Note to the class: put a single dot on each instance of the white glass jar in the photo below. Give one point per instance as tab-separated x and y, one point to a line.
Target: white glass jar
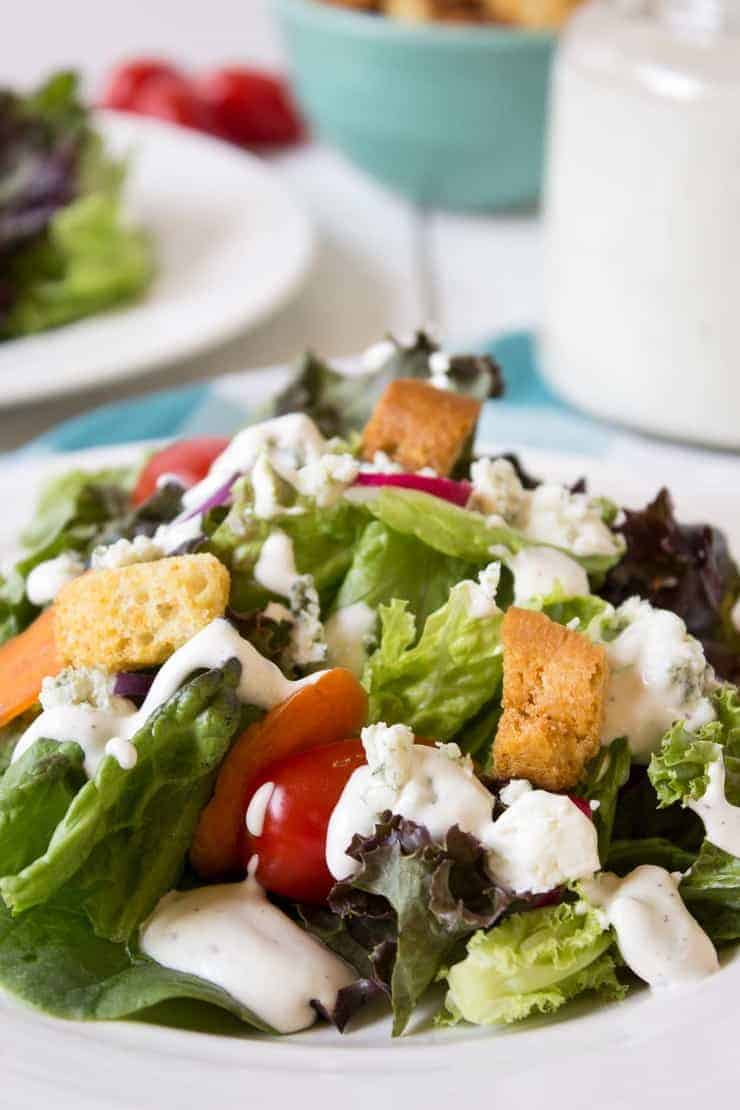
642	217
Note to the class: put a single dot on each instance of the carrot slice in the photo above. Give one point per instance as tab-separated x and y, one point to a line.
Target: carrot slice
25	661
329	709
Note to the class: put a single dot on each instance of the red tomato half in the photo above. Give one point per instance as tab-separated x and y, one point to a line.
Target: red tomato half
127	81
292	845
188	459
249	107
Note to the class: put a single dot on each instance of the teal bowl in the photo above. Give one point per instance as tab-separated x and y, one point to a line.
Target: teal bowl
450	116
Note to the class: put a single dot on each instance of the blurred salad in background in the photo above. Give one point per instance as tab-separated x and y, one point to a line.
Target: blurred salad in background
66	248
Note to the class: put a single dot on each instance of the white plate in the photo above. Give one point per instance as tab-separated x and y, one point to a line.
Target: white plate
662	1049
231	246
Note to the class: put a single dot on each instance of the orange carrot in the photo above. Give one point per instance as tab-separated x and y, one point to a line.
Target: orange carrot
332	708
25	661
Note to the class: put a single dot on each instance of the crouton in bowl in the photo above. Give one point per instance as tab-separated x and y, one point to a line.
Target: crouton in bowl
451	114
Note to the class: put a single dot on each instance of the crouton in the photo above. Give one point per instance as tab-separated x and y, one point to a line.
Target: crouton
530	13
445	11
554	687
137	616
419	425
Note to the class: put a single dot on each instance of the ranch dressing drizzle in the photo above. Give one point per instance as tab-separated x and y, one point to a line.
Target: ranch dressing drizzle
346	632
262	684
232	936
657	936
721	819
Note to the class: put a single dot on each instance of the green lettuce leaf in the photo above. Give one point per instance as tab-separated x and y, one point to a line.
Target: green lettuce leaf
89	259
387	565
533	962
123	841
711	890
679	771
602	780
70	513
35	794
51	959
461	533
625	855
445	678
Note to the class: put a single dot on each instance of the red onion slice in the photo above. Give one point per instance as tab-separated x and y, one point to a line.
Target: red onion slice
446	489
132	684
220	496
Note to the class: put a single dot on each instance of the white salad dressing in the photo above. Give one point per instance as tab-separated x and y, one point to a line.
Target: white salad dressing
347	632
657	936
46	580
735	615
721	819
257	808
262	684
657	675
293	439
275	568
376	356
123	751
232	936
539	571
540	842
180	531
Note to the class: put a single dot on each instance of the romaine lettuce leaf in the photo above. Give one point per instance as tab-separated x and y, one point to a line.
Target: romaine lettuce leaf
425	897
533	962
603	778
35	794
679	770
461	533
625	855
123	840
50	958
436	684
387	565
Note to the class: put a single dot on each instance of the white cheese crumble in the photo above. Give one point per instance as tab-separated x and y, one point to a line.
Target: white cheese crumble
657	675
513	791
376	356
540	571
481	595
326	478
540	842
275	570
46	580
124	553
83	686
548	514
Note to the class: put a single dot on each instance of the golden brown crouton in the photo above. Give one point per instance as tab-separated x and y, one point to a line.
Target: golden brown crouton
445	11
554	684
136	616
530	13
419	425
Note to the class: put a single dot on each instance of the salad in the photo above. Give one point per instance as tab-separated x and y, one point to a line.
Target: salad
66	250
340	711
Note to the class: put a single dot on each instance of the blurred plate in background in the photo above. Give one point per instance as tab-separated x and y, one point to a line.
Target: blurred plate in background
231	246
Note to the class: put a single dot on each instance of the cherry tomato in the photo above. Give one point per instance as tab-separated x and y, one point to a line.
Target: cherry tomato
173	98
127	81
188	459
292	845
251	108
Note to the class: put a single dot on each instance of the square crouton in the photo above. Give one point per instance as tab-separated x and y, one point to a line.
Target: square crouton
445	11
137	616
530	13
554	688
419	425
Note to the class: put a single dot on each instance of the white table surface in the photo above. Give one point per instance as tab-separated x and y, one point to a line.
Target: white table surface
368	275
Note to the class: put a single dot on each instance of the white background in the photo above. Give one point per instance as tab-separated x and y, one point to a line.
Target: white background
366	278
